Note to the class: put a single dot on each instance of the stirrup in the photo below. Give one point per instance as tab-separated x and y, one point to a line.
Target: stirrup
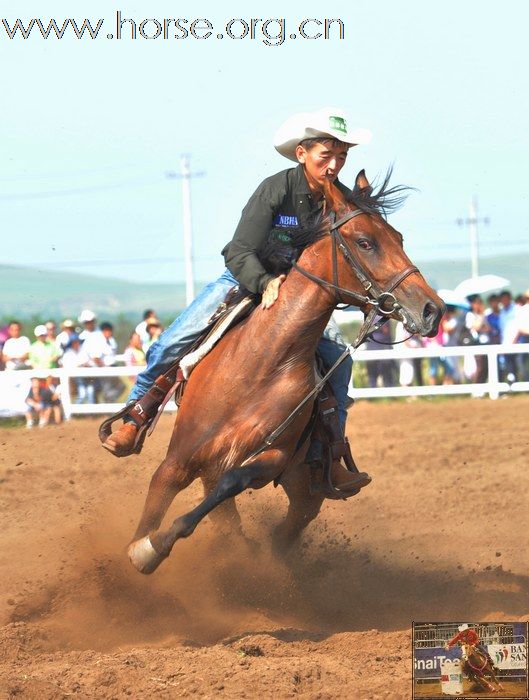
326	487
105	431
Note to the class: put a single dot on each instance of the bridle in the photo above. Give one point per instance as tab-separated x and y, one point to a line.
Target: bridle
382	303
374	297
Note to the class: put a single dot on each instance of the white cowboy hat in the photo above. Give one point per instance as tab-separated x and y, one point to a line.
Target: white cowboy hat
40	330
329	121
463	627
86	316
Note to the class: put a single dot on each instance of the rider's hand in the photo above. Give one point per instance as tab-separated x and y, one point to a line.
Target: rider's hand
271	292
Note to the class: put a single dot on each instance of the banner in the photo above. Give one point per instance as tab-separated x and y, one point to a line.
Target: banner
508	656
427	662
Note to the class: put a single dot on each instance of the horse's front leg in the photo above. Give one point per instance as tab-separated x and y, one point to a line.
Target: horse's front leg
166	482
303	507
260	472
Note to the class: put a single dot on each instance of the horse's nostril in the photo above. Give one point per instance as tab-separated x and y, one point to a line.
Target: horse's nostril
430	311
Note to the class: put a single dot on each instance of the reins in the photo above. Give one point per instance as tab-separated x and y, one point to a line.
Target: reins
374	297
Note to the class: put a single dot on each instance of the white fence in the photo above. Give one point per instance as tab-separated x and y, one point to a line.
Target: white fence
14	386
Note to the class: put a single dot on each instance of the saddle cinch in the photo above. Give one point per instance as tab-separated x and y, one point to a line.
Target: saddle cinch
324	424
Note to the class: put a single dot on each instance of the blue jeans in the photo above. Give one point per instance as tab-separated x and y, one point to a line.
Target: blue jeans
192	322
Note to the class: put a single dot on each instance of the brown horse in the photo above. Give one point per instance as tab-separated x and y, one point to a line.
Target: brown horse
261	370
477	667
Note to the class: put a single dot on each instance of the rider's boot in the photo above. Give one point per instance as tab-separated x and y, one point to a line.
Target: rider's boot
333	477
121	443
140	416
345	480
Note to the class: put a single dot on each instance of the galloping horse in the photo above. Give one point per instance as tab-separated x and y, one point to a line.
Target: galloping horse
258	374
477	666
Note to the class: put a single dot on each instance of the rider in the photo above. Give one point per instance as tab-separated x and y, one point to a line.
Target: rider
281	206
470	638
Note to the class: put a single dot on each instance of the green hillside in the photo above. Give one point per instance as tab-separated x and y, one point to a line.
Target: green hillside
448	273
29	292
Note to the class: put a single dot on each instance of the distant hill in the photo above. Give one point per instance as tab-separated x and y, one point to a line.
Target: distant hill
30	292
448	273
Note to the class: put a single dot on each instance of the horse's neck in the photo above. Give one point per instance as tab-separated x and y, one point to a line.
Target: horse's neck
303	308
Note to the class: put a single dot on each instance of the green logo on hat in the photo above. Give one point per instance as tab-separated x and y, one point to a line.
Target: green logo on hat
338	123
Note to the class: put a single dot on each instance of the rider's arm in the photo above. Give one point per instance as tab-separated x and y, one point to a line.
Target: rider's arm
252	233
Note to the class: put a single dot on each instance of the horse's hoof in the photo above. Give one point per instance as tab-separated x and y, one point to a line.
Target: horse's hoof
143	556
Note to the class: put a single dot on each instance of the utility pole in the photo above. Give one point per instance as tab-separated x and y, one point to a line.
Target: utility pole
185	175
472	223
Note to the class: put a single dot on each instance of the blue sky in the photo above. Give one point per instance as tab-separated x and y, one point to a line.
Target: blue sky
89	129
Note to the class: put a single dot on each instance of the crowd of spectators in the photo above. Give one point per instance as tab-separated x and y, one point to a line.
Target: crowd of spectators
85	343
502	320
89	343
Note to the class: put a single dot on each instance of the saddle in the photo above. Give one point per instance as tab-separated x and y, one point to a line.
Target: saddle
146	411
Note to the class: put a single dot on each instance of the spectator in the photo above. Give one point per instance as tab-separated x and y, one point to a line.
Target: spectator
493	319
134	354
452	324
509	332
522	336
409	368
88	320
141	328
64	337
55	404
43	353
40	403
434	362
154	331
15	352
380	369
101	348
73	358
51	329
479	329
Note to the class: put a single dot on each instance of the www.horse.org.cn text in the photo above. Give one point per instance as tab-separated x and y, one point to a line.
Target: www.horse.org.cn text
270	32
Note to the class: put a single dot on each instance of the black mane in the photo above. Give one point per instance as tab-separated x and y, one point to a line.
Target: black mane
277	256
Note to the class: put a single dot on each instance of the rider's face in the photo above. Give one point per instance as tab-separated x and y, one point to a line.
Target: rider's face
322	160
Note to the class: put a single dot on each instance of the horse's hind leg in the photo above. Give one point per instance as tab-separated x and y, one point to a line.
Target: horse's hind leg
230	484
302	508
166	482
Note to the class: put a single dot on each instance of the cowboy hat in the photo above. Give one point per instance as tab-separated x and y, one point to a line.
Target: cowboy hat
463	627
328	122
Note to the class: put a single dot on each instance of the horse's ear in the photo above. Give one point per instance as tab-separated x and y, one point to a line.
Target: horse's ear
362	187
333	196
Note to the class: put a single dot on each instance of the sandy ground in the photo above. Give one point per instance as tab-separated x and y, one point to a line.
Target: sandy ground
440	534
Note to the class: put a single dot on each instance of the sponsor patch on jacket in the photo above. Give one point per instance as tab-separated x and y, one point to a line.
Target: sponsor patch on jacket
285	221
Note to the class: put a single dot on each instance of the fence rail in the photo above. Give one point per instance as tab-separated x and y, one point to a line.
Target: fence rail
14	386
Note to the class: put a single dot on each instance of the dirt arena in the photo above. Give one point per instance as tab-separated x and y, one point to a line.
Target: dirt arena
440	534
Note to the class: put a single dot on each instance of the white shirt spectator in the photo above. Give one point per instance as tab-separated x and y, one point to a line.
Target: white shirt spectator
508	324
15	348
97	347
72	359
522	319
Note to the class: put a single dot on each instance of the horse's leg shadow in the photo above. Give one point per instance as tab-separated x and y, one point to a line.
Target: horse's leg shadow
168	480
158	545
302	509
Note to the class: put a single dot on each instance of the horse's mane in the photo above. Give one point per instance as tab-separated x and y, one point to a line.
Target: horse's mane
278	256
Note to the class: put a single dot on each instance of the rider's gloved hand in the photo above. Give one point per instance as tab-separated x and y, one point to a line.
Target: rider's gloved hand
271	292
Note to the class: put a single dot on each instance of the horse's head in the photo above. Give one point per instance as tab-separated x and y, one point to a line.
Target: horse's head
370	251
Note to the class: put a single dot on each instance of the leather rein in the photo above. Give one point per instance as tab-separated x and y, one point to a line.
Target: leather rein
381	302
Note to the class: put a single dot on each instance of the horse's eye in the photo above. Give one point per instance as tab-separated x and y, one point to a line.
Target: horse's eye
364	244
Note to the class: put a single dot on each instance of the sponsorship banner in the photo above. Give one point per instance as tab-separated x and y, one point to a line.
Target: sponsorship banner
508	656
427	662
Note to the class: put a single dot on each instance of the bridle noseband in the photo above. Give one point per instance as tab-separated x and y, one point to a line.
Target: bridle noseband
382	302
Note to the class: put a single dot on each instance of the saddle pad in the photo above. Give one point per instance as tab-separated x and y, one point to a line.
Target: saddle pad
191	360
